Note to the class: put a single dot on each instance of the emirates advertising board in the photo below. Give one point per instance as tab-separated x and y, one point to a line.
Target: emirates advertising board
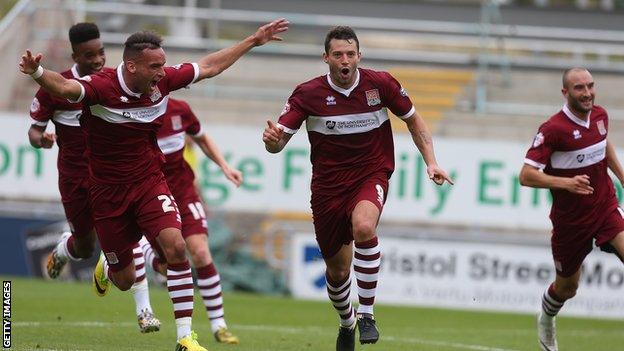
468	275
486	193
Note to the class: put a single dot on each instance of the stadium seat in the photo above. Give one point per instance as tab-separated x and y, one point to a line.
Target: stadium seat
433	91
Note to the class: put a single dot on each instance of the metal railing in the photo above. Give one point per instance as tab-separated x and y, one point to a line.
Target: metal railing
419	41
13	14
530	43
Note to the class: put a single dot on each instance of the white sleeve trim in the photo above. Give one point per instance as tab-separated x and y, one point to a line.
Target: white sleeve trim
530	162
411	111
82	94
198	134
196	68
38	123
288	130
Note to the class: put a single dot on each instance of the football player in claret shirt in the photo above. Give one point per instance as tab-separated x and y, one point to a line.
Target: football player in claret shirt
570	156
88	55
352	155
178	122
128	191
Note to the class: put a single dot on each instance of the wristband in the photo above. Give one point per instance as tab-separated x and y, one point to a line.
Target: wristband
38	73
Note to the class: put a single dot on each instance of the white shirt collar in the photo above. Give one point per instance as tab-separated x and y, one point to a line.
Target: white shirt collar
74	71
575	119
123	83
342	91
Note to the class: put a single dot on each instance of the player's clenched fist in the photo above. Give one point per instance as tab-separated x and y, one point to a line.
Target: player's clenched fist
47	140
272	133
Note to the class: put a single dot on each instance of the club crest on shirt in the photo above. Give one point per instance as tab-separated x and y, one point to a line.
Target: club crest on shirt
156	95
538	140
577	134
330	100
580	157
34	106
372	97
176	122
601	128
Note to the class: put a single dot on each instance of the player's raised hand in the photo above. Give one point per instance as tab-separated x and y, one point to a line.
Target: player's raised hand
272	133
29	63
47	140
233	175
580	184
438	175
269	31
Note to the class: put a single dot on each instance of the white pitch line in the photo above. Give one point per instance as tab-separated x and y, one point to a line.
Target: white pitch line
455	345
306	330
87	324
289	330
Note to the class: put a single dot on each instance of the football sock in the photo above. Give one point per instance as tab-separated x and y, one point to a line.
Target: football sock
366	263
180	287
339	294
65	248
551	303
140	289
209	285
151	256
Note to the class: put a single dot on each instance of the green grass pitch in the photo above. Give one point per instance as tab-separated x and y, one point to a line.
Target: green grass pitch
68	316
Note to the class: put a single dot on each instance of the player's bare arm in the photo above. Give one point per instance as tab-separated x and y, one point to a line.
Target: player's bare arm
211	150
422	138
49	80
39	138
613	163
215	63
534	178
274	137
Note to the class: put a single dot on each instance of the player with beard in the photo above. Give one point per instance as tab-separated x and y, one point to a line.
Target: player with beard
352	155
88	55
128	191
570	156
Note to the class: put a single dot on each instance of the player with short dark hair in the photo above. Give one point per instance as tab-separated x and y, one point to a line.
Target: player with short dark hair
88	55
570	156
352	155
341	33
128	190
139	41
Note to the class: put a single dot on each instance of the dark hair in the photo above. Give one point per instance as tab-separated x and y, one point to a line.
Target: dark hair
140	41
566	73
343	33
83	32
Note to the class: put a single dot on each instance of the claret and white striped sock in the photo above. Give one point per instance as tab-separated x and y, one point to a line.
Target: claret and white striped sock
180	286
366	262
140	288
551	303
209	285
340	295
151	257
